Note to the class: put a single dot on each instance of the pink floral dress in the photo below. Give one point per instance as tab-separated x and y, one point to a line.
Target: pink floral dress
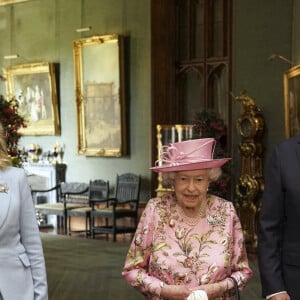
168	248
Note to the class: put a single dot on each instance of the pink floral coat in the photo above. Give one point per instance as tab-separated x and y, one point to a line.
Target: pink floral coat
166	249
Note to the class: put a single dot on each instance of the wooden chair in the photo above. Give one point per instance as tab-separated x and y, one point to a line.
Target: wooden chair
123	205
98	189
40	200
59	208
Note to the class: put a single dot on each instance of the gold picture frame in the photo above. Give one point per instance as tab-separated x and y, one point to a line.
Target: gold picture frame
291	86
100	95
33	85
6	2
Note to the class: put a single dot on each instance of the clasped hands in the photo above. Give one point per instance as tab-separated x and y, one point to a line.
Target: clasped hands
181	292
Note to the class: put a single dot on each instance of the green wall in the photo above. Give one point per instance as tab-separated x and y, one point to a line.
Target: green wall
43	30
261	28
296	34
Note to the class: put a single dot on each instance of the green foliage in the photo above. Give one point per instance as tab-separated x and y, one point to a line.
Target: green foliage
11	122
208	123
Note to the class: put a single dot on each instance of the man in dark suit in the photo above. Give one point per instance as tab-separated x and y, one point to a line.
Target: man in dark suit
279	224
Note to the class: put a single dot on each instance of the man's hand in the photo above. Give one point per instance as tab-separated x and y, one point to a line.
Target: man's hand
281	296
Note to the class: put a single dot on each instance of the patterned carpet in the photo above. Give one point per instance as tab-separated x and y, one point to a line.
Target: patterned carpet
84	269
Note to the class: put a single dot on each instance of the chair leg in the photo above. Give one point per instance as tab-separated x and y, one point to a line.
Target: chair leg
92	227
106	224
69	221
90	224
114	229
65	223
86	226
58	222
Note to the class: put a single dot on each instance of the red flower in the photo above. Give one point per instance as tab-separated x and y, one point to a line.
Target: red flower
11	122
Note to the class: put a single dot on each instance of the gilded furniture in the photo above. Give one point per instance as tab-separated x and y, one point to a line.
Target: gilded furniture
250	184
166	134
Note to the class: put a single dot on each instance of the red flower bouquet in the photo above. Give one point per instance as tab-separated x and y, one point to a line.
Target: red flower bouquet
11	122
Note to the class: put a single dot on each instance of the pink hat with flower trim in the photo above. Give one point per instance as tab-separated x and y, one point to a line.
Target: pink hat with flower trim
188	155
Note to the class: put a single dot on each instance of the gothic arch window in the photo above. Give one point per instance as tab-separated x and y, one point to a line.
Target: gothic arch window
190	62
203	60
218	90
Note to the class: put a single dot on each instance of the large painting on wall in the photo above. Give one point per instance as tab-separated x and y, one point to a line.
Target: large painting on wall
34	87
100	97
291	83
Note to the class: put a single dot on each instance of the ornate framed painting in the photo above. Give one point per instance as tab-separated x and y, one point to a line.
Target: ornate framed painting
291	85
34	87
6	2
100	95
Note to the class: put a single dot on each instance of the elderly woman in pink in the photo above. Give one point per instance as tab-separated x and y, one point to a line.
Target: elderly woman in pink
188	244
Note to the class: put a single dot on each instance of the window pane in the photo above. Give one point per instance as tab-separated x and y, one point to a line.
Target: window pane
216	38
183	30
199	30
218	91
191	95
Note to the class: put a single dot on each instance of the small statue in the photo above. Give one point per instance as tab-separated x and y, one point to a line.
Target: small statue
245	99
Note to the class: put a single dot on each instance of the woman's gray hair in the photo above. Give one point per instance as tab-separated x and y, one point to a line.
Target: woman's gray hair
213	175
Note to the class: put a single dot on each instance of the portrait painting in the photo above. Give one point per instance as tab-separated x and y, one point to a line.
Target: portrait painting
34	88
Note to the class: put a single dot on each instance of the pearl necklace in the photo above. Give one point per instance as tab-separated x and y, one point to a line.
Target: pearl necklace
192	221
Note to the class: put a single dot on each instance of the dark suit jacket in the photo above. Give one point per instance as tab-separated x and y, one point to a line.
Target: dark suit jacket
279	223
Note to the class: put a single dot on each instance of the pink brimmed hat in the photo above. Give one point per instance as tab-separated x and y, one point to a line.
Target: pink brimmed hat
188	155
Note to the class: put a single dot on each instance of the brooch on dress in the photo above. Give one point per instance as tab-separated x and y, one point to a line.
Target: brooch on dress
3	188
215	220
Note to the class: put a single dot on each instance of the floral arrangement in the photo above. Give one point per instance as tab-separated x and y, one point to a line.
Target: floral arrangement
209	123
11	122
